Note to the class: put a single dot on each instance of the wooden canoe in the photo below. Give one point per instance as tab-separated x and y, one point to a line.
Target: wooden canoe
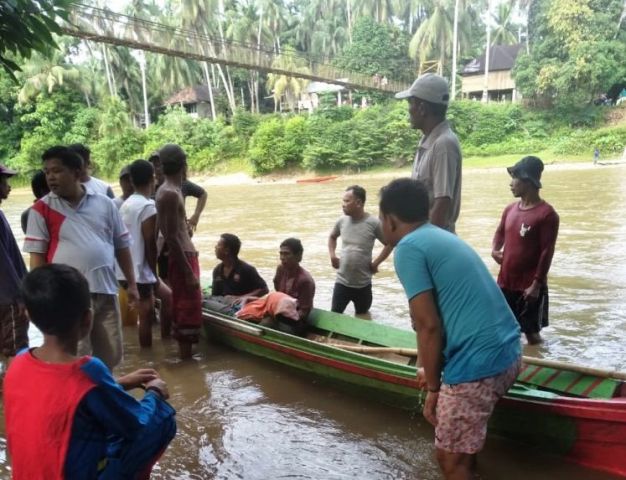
316	179
579	416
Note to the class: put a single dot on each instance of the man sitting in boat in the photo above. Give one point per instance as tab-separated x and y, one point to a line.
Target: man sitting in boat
468	338
292	279
66	417
233	279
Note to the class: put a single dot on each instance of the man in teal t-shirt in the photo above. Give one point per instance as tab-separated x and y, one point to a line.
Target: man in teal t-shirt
468	338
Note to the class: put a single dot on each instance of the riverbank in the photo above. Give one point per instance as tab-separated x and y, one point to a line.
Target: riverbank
246	177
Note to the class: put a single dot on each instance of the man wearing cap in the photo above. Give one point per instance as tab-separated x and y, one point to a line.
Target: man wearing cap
438	158
13	320
523	246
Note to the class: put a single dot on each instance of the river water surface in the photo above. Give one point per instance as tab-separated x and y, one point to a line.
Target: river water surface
240	417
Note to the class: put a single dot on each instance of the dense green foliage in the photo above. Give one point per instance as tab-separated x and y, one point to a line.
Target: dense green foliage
577	51
94	94
337	138
26	26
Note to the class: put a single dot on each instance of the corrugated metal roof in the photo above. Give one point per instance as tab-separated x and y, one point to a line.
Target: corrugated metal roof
501	57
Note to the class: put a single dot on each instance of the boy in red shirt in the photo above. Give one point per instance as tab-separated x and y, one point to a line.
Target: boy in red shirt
523	246
66	417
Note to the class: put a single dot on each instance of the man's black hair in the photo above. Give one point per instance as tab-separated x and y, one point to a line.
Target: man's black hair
358	192
173	158
68	157
39	185
294	245
83	151
231	242
141	172
405	198
56	297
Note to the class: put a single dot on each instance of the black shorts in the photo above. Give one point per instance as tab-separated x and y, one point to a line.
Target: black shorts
145	289
531	316
361	297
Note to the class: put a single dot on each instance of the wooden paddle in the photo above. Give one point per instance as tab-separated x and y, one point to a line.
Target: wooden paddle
409	352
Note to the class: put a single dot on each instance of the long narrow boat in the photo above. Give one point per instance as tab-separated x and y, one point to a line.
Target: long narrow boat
577	415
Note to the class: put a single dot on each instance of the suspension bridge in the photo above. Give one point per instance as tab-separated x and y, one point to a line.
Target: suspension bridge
104	26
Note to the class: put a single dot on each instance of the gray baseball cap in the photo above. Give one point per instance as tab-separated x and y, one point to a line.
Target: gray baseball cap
430	87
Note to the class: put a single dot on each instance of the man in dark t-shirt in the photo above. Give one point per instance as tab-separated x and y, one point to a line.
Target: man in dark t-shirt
234	277
523	246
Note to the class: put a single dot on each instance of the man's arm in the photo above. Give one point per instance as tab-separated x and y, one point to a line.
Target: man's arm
305	299
200	204
427	325
125	261
382	256
149	234
37	260
547	241
498	240
332	245
440	212
167	208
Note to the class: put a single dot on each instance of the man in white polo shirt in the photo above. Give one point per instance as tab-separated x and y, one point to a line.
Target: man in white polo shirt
77	227
90	182
438	158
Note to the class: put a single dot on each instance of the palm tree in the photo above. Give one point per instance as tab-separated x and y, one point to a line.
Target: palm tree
504	32
114	119
287	86
381	10
433	38
409	12
42	73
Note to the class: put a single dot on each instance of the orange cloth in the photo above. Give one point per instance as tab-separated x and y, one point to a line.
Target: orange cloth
272	304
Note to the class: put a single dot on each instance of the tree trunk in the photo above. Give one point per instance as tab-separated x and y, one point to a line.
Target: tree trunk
207	79
108	71
349	12
455	42
485	97
146	113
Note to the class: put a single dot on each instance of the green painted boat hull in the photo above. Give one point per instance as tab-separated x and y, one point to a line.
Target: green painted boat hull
589	431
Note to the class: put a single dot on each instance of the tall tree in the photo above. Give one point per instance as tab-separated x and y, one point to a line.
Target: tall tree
26	26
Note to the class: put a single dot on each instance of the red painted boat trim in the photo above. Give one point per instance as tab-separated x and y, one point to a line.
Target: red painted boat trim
347	367
551	377
573	384
593	385
533	373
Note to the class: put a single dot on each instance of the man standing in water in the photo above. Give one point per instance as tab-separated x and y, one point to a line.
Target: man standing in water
92	183
78	227
438	158
358	230
528	230
183	268
13	319
467	337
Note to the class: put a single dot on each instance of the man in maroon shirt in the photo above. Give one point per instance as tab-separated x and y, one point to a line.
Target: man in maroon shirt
294	280
523	246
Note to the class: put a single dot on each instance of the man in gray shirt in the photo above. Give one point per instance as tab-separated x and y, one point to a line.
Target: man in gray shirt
438	158
358	230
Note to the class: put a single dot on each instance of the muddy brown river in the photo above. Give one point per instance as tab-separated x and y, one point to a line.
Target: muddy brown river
240	417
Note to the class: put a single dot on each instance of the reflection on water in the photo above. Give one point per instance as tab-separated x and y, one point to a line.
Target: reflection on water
244	418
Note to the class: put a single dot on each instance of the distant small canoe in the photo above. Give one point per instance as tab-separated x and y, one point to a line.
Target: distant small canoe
316	179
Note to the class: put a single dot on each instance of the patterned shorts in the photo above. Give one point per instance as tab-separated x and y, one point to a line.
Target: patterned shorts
463	411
